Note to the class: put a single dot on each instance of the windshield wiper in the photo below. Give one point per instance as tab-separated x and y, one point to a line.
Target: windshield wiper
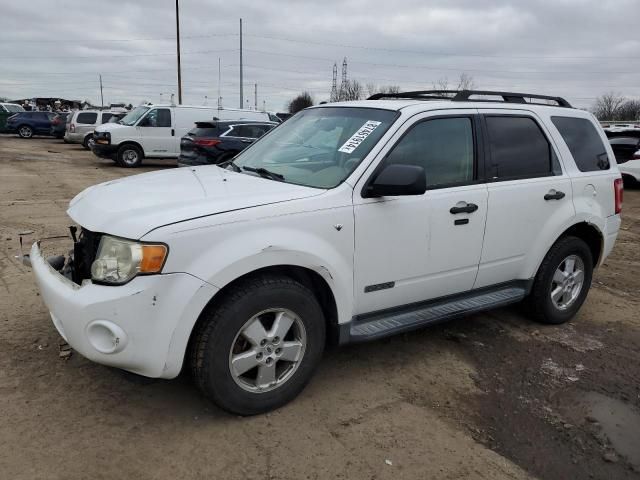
230	162
263	172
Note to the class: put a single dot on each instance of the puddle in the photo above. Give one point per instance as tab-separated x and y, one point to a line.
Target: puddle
619	422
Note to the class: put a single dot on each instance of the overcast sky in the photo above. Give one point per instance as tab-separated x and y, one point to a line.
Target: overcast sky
574	48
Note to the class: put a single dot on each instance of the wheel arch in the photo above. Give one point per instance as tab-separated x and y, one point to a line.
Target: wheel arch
591	235
304	275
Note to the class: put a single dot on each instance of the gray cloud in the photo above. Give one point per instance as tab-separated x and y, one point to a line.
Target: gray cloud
575	48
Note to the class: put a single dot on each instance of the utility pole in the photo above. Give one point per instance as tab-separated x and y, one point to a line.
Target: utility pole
219	82
178	50
255	93
101	96
241	92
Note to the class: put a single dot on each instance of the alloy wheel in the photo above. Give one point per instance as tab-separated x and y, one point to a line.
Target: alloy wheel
267	350
567	282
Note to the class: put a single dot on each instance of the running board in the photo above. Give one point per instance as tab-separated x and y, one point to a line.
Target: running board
389	322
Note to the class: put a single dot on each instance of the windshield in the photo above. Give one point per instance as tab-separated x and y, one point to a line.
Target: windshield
319	147
13	108
133	116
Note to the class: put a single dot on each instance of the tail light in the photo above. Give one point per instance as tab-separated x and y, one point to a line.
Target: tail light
618	189
55	121
72	128
207	142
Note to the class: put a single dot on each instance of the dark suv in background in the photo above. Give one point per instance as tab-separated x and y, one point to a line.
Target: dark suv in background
215	142
28	124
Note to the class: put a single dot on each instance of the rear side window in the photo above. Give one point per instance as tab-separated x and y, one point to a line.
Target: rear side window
203	129
247	131
519	149
584	143
443	147
88	118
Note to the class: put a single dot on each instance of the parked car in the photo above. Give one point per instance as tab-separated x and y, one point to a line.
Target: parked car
627	152
216	142
28	124
59	124
82	123
6	110
154	131
347	223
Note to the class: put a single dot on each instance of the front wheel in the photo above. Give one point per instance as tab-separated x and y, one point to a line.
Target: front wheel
562	282
129	156
258	347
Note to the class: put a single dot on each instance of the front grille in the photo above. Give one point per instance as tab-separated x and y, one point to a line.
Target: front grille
84	253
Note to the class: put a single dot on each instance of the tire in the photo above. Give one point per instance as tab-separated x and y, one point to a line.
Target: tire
88	142
219	338
551	279
129	156
25	131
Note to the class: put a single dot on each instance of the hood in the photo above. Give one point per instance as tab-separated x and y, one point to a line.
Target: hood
110	127
132	206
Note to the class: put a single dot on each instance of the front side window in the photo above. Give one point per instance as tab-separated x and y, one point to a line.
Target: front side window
584	143
518	147
158	117
106	117
319	147
87	118
444	147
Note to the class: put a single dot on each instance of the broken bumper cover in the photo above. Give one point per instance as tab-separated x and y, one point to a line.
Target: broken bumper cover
142	327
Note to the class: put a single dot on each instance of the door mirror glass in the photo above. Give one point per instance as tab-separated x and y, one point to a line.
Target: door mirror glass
397	179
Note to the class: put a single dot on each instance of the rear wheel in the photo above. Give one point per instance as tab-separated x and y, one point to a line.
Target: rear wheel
562	282
25	131
259	346
88	142
129	156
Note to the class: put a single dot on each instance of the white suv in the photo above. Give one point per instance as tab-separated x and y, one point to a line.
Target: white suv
347	223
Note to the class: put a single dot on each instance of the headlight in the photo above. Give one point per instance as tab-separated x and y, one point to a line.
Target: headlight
119	260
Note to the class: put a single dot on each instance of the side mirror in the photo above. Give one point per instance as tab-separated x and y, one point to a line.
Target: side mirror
395	180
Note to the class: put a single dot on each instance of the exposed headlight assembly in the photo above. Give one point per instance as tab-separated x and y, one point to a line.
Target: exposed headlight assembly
119	260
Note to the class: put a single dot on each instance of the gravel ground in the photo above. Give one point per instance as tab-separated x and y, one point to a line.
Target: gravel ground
492	396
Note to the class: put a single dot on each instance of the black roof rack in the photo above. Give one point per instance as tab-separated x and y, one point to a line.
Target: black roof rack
464	96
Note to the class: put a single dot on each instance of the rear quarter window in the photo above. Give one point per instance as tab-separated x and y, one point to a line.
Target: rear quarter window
87	118
584	143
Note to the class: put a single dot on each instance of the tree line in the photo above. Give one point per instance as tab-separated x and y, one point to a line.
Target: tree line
615	107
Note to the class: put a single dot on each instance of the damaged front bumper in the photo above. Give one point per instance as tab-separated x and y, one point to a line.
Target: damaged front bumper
142	326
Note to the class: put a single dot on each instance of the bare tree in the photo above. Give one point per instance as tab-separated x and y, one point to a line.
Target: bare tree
465	82
372	89
607	106
300	102
351	90
629	111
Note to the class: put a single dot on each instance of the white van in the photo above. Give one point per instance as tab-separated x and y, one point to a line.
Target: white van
154	131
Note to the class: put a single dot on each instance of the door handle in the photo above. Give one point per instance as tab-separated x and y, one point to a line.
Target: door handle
173	132
467	208
554	195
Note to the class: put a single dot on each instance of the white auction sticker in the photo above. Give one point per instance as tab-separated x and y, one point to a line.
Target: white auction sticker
360	136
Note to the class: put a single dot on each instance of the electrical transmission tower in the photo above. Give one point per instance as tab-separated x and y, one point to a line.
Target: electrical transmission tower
334	84
343	84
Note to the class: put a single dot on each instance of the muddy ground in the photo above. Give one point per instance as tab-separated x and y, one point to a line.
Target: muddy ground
492	396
